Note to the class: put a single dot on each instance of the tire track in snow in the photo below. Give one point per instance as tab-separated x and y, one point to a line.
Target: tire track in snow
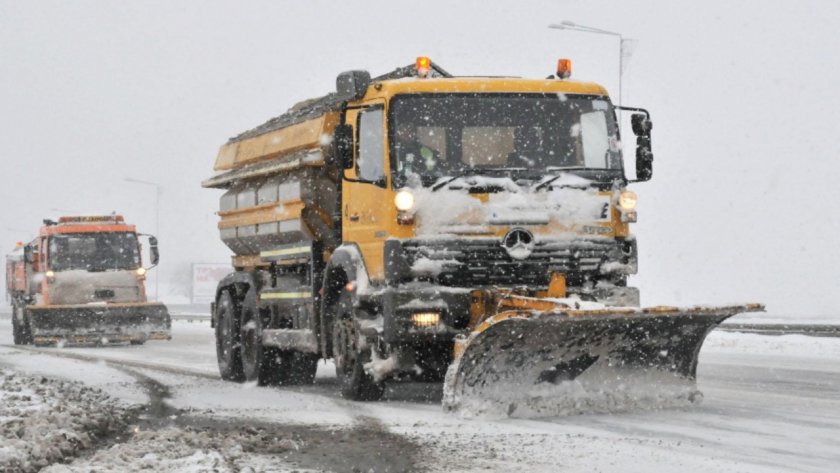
367	445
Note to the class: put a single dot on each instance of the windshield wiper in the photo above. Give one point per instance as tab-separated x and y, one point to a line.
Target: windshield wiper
473	172
544	184
443	183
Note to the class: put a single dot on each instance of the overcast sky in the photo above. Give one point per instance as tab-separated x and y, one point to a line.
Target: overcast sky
743	96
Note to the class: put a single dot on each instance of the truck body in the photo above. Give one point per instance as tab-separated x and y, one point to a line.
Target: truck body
385	224
82	281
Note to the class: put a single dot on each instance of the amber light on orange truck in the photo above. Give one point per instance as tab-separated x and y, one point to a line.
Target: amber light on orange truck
564	68
423	65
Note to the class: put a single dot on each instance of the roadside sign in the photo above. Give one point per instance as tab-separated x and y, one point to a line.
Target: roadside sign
205	278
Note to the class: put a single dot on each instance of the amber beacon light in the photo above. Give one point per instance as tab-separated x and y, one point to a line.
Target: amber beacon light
564	68
423	65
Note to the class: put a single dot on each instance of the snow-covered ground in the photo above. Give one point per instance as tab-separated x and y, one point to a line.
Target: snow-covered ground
770	404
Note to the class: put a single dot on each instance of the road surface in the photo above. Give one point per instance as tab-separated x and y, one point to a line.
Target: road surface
770	404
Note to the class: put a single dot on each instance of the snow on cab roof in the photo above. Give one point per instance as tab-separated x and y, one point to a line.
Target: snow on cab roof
405	80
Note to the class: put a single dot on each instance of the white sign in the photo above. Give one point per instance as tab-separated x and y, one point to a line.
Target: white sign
205	278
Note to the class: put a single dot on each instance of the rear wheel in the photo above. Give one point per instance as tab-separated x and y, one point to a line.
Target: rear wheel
137	342
250	335
227	339
350	358
17	333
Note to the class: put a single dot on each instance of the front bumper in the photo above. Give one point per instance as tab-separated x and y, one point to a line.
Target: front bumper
107	323
399	303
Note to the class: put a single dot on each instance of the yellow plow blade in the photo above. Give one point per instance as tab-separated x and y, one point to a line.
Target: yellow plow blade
530	363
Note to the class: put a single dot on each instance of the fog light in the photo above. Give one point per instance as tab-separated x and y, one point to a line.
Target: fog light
628	216
425	319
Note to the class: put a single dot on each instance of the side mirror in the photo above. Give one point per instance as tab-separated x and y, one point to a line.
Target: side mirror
352	85
343	146
641	124
644	154
154	253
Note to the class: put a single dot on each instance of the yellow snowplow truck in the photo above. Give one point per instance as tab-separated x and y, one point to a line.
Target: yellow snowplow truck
471	230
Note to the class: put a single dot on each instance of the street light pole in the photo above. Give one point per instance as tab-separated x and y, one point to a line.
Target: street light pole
157	221
568	25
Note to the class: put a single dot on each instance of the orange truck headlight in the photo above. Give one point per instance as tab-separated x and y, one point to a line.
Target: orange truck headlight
404	200
627	200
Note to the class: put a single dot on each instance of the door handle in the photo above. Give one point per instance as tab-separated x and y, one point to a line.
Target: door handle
354	218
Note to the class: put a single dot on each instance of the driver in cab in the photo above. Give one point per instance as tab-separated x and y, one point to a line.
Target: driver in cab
414	156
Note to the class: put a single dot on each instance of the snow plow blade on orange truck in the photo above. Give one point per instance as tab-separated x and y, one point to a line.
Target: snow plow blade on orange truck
531	359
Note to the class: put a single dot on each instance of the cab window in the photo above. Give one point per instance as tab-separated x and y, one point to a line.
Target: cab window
371	157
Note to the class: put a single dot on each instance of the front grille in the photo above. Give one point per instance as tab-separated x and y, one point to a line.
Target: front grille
483	261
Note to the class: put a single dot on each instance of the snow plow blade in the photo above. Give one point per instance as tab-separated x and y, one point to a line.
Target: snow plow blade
98	324
536	363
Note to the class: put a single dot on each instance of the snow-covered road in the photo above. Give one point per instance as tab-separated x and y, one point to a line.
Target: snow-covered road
771	404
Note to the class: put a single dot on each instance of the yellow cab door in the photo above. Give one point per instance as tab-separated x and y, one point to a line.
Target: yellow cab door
367	200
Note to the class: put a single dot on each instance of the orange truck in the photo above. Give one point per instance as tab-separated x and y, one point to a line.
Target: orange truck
82	280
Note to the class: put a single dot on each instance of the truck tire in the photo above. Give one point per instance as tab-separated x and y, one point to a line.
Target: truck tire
17	332
227	339
252	352
356	383
25	328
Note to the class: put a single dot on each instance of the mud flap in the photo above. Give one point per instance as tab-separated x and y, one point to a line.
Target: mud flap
99	323
533	364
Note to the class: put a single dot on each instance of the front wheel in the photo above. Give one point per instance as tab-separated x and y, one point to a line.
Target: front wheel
227	339
24	326
356	383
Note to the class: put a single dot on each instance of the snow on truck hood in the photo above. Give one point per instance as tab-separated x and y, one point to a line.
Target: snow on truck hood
453	210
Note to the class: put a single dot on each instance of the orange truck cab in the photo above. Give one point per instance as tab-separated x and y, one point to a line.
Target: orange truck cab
82	280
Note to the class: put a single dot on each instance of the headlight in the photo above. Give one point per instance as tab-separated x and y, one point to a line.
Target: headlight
627	200
50	276
141	271
404	200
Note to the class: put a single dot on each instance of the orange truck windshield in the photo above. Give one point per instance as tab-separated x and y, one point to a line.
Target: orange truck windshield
94	251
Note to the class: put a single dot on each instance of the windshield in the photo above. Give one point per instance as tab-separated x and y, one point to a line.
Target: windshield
439	135
94	251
